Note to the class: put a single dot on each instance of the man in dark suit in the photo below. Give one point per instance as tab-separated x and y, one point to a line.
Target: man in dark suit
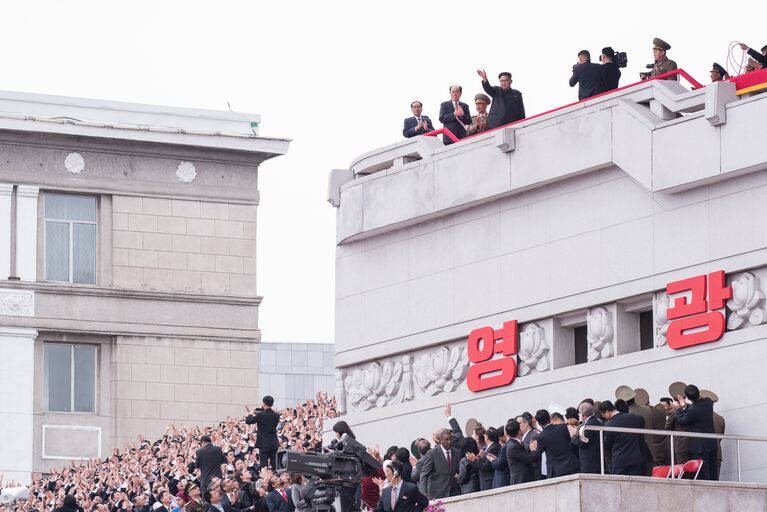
588	76
485	466
279	500
507	102
587	441
761	58
500	465
418	124
699	417
439	472
209	460
518	458
266	421
610	71
627	456
529	434
454	115
400	496
554	441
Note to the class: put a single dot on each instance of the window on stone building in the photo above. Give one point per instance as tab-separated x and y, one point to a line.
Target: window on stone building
580	336
646	328
70	238
70	377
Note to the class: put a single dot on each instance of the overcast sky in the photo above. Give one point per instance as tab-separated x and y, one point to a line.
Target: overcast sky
337	78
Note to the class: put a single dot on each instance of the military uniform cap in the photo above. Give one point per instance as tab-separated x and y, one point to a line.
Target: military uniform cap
660	44
706	393
471	424
719	69
625	393
676	388
482	98
642	396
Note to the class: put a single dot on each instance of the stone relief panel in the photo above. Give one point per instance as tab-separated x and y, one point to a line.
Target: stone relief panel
74	163
599	334
17	303
746	306
402	379
533	350
660	305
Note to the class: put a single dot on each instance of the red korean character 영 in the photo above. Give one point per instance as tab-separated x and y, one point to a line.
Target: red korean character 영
697	313
483	344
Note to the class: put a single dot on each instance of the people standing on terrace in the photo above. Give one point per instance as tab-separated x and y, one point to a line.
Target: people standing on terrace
610	70
507	102
454	115
662	63
417	124
479	122
588	76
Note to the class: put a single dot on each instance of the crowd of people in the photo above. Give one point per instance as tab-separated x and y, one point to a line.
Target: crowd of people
225	468
506	104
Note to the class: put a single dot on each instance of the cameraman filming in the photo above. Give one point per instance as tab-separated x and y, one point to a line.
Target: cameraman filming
610	71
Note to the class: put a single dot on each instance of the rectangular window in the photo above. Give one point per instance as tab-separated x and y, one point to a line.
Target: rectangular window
646	331
70	238
70	377
581	344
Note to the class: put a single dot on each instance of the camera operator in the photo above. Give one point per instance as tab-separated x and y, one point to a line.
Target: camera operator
610	71
588	76
347	496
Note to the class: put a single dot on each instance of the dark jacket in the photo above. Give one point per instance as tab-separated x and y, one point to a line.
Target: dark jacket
590	79
501	467
758	57
588	452
411	122
409	499
625	449
507	106
520	462
611	74
449	121
560	458
699	417
209	460
486	471
468	476
276	503
266	422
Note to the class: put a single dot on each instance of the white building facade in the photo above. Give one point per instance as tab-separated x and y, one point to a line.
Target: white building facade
533	266
127	273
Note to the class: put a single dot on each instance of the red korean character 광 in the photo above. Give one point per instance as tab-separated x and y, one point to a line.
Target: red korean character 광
698	312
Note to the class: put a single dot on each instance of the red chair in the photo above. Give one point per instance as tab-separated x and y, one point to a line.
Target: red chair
661	472
690	467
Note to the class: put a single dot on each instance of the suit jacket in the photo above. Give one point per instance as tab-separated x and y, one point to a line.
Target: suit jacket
500	465
589	77
415	475
554	440
611	74
459	439
437	480
409	499
645	411
468	475
718	429
699	417
276	504
520	462
449	121
266	422
486	471
758	57
588	451
209	460
506	108
528	438
410	124
625	449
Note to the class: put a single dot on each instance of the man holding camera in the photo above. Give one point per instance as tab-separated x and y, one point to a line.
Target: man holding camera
588	76
610	70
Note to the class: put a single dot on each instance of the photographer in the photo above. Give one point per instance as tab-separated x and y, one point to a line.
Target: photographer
610	71
588	76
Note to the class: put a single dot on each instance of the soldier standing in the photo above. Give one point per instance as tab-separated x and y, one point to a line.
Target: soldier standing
662	63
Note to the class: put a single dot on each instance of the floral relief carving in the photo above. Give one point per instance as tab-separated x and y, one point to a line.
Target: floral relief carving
747	296
660	304
533	350
13	303
599	334
379	384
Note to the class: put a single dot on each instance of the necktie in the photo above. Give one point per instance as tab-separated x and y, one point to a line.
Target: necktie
393	497
449	460
284	496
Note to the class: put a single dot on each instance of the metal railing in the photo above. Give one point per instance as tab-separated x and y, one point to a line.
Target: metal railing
672	434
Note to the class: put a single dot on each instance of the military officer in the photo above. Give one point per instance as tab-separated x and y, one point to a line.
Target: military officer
479	122
662	63
718	73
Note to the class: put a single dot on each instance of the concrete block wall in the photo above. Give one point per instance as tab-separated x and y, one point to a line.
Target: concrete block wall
184	246
159	381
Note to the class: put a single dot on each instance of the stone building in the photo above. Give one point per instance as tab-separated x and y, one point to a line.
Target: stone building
295	372
128	261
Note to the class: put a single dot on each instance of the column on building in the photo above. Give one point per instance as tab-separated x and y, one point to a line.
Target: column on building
26	232
5	230
17	371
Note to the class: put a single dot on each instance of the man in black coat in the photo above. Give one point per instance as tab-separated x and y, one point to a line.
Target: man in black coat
610	71
209	460
454	115
417	124
699	417
266	421
485	466
554	440
507	104
529	434
405	496
519	459
626	453
587	441
761	58
588	76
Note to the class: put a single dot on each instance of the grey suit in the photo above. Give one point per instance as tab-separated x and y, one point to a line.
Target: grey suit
437	480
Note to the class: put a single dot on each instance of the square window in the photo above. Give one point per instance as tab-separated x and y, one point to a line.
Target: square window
70	238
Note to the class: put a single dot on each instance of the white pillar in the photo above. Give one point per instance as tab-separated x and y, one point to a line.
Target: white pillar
17	372
26	232
5	230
